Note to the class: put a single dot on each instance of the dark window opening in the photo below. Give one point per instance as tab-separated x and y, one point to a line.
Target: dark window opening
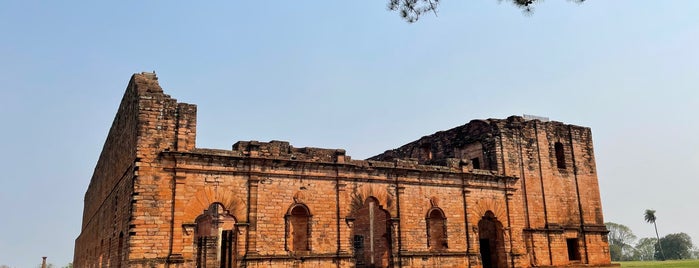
573	249
485	253
358	242
227	248
426	152
476	162
560	156
492	241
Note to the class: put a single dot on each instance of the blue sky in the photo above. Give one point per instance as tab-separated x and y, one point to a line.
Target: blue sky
345	75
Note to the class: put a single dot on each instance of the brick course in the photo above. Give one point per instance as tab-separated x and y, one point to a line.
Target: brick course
499	182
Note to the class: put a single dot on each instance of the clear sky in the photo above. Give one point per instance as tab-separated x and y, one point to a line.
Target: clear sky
345	74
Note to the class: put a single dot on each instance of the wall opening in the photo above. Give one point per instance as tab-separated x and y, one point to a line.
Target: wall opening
560	155
492	242
298	228
436	230
476	162
573	249
426	152
215	238
481	158
371	235
486	254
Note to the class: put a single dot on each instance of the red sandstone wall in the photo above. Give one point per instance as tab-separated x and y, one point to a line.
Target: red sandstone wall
551	192
146	123
550	200
168	183
107	205
274	186
555	196
165	125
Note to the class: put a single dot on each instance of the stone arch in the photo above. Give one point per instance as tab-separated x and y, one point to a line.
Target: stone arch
215	237
495	205
384	196
371	234
297	228
436	225
492	241
204	197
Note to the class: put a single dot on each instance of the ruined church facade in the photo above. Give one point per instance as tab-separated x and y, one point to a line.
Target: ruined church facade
492	193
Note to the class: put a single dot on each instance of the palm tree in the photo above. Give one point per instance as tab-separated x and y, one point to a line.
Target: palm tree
650	218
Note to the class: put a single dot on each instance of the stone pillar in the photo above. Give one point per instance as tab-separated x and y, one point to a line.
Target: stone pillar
252	216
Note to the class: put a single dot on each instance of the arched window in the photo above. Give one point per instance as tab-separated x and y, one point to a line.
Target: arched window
560	155
298	228
426	152
436	229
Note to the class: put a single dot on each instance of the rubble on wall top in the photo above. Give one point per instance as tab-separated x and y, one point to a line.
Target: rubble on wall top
282	149
146	82
150	75
528	117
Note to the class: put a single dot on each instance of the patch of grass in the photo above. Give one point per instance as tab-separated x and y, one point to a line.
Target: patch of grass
664	264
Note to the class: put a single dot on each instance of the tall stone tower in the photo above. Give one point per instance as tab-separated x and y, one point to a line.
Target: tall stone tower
557	202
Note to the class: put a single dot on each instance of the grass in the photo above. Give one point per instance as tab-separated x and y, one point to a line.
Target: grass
650	264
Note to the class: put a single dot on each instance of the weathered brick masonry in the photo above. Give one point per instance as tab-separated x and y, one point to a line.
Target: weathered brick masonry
491	193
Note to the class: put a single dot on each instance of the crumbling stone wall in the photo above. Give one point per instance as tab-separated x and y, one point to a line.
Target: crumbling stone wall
154	195
558	194
147	122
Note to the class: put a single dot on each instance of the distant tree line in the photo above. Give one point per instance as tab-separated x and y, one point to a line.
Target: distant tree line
624	245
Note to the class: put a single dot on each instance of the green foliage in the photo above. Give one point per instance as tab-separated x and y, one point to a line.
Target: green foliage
675	246
649	216
411	10
621	239
645	249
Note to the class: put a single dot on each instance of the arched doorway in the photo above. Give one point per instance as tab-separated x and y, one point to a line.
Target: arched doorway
492	242
215	238
371	235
